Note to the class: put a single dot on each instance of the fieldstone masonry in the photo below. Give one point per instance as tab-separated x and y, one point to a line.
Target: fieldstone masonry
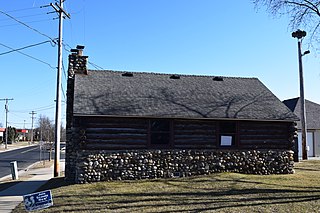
149	164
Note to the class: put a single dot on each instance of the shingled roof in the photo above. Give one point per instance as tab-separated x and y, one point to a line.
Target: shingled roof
312	112
115	93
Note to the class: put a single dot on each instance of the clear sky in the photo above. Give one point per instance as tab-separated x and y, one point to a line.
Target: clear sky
200	37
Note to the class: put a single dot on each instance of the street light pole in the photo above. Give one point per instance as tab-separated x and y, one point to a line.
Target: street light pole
299	35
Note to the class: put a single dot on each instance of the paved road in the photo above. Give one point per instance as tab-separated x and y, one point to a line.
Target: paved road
24	157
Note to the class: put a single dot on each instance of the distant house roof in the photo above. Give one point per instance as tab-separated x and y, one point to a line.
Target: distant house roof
115	93
312	112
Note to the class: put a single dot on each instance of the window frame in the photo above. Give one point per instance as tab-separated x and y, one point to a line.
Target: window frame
223	131
168	133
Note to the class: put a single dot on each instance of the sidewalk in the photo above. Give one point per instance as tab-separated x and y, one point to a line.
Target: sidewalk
17	145
13	196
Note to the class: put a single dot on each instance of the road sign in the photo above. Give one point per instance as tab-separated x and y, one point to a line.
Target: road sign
38	200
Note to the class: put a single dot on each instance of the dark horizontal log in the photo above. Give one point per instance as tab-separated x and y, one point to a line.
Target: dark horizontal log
194	126
262	132
194	140
195	146
194	131
258	126
189	138
270	142
119	135
112	147
115	125
113	129
270	147
263	137
118	142
114	120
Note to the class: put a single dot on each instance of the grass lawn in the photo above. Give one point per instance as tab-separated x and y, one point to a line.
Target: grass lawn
222	192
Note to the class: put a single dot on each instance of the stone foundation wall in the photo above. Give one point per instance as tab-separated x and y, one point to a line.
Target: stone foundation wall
148	164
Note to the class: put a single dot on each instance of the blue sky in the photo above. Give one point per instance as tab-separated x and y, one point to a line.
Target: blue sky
200	37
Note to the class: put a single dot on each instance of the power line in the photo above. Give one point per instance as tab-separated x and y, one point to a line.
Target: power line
24	24
95	66
29	56
30	8
35	109
22	48
10	25
25	16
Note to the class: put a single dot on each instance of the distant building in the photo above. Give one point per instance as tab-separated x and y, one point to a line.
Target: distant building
312	124
22	134
2	130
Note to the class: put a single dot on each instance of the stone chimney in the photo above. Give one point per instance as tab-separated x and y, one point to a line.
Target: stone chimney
77	62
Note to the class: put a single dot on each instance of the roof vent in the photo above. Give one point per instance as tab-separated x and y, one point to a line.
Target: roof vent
174	77
217	78
127	74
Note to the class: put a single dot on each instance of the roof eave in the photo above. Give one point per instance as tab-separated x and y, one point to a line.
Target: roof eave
185	118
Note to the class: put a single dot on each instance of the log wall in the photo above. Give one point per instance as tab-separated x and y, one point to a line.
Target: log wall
118	135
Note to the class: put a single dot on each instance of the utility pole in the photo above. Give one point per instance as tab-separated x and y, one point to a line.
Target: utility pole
62	14
7	110
32	117
299	35
24	129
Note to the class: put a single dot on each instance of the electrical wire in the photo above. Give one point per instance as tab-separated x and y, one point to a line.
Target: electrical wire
34	109
18	10
91	63
95	66
10	25
29	56
22	48
24	24
25	16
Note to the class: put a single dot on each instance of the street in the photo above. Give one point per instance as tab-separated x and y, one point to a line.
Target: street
24	157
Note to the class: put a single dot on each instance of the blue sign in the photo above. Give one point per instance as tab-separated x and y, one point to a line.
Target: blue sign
38	200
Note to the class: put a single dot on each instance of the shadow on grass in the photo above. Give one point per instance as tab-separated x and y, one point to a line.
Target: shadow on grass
191	201
54	183
225	180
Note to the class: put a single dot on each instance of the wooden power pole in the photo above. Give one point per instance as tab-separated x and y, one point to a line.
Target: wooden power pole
32	118
7	110
59	9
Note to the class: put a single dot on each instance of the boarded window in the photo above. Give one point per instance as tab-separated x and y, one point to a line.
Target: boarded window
227	134
160	132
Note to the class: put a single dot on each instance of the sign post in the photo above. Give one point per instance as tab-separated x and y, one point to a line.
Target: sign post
38	200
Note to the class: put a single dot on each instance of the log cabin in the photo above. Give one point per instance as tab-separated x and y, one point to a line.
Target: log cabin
133	125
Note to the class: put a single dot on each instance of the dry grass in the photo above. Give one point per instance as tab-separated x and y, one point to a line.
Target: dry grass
224	192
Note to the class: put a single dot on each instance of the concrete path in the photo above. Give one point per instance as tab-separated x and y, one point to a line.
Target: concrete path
13	196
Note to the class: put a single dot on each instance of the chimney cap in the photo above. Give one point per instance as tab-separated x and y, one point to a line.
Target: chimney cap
74	50
80	47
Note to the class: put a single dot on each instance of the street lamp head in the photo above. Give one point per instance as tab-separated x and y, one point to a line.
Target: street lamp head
306	52
299	34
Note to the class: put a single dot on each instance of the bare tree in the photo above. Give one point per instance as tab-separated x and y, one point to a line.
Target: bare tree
45	128
302	13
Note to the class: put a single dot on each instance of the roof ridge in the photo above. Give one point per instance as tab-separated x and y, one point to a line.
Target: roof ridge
168	74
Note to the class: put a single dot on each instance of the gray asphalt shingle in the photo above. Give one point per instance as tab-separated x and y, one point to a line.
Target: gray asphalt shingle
312	112
157	95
